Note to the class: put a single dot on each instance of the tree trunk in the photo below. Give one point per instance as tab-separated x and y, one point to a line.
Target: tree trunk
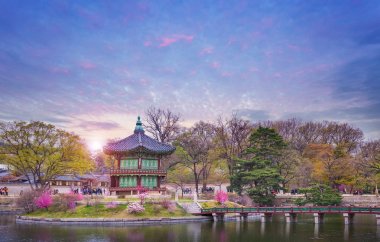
204	180
195	178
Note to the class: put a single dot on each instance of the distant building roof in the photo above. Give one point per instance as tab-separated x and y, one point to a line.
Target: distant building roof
138	142
67	178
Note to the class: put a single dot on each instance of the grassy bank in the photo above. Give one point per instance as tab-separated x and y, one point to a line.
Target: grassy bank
101	211
215	204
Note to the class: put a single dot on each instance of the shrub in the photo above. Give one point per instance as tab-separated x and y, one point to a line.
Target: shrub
257	194
221	197
246	201
88	200
165	203
156	208
135	208
233	197
71	199
26	201
66	201
44	200
111	205
142	197
172	208
320	195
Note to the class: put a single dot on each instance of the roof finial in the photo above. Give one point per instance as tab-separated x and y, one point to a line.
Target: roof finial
139	127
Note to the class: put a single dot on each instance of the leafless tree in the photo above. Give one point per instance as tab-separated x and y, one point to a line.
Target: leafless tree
162	124
369	156
289	131
232	138
193	149
342	134
299	134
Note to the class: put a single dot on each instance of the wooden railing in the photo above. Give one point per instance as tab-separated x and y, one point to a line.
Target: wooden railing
328	209
127	189
137	172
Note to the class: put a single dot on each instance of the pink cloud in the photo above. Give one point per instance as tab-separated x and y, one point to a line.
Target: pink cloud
166	41
215	64
87	65
207	51
144	82
60	70
147	43
226	74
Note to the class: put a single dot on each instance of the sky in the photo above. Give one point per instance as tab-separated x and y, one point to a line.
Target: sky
91	67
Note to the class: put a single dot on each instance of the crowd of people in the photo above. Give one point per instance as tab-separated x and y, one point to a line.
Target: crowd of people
187	190
84	191
92	191
4	191
208	189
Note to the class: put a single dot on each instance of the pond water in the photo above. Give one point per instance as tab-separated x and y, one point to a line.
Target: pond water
363	229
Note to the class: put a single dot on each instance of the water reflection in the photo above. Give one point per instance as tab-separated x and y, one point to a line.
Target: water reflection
316	231
363	229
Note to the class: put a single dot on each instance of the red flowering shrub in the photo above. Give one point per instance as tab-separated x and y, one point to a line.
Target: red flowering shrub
221	197
44	200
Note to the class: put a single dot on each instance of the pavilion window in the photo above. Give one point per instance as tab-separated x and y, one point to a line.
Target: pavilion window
129	164
128	181
149	164
149	181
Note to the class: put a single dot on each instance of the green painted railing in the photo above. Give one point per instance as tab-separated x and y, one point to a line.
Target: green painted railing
329	209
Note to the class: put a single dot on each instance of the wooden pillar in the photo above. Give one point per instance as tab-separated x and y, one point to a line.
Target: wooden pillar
118	163
159	163
378	219
138	181
348	218
244	216
266	217
318	218
158	181
218	216
290	217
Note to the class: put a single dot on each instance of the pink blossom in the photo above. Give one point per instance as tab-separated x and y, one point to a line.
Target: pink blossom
44	201
135	208
142	197
111	205
221	197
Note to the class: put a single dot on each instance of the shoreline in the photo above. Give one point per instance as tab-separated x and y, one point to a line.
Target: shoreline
110	221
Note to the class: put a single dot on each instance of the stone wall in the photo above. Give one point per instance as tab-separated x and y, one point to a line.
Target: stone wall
361	200
348	200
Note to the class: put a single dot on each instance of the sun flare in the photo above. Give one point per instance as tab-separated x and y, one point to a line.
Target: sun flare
95	145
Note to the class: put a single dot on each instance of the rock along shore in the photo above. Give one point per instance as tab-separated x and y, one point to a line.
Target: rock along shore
110	221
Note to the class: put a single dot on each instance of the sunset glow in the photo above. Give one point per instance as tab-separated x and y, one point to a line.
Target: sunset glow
92	66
